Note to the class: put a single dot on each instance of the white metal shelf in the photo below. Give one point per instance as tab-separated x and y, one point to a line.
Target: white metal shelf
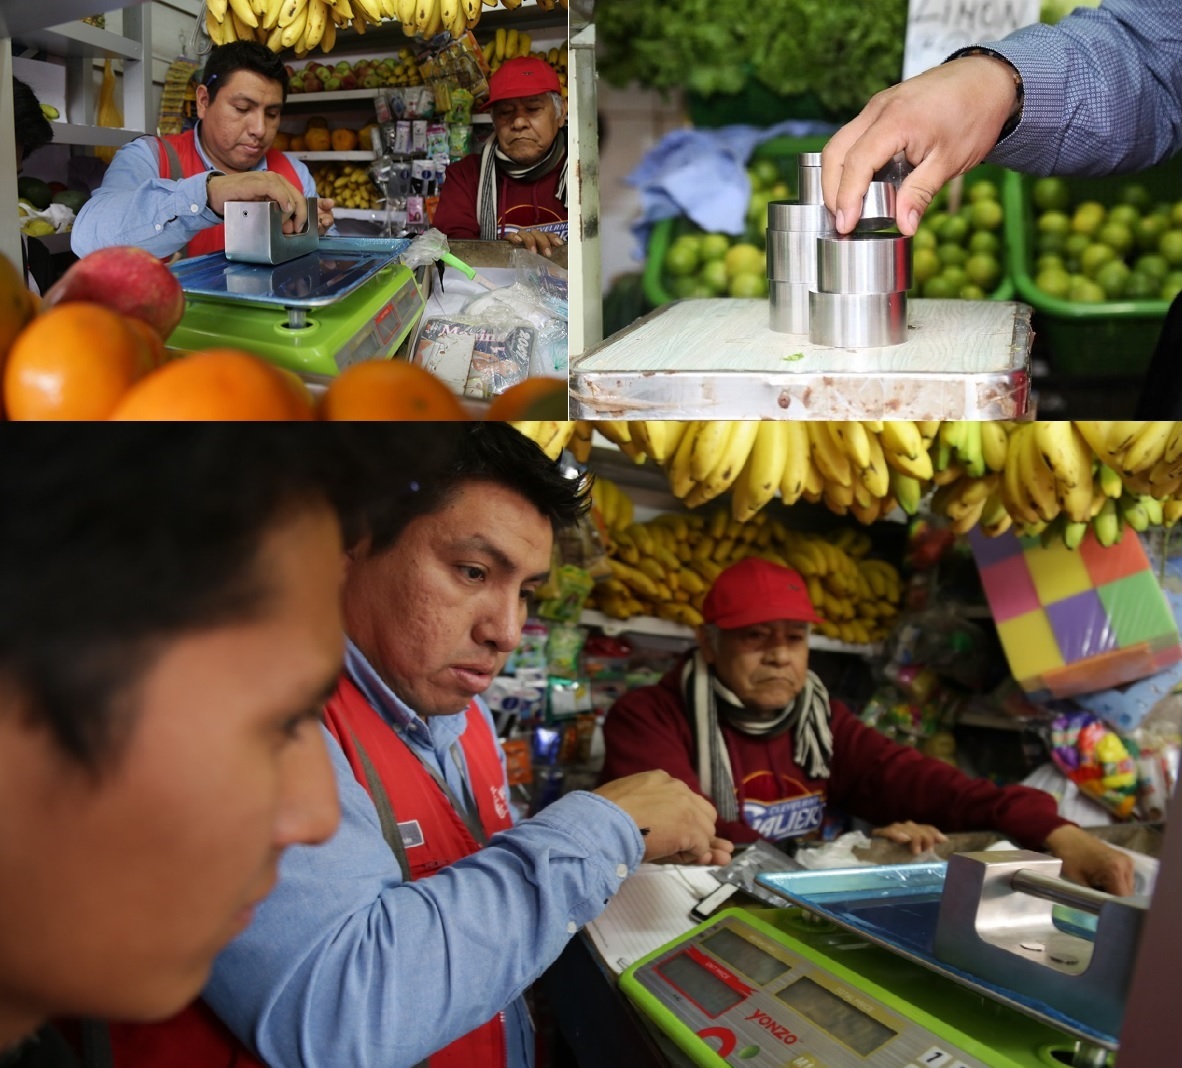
334	157
73	133
337	96
665	629
80	39
21	17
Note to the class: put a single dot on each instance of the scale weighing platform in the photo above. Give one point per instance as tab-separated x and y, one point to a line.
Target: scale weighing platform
851	978
316	314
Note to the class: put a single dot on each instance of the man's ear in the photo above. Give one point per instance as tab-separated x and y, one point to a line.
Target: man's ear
202	100
356	554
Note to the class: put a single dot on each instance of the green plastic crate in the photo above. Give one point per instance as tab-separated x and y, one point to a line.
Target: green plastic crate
1108	338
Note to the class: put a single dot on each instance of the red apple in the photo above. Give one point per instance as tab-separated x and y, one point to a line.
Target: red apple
128	280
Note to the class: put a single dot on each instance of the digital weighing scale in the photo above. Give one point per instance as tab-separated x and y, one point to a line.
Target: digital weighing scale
958	965
316	314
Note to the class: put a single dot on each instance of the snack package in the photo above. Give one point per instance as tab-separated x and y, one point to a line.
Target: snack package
459	140
530	653
460	112
402	137
1097	760
563	649
519	769
566	592
418	135
437	139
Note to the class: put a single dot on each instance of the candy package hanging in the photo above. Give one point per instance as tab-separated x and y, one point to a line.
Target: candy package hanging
1097	760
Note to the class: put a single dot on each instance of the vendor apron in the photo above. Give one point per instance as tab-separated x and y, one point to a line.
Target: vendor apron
179	159
408	799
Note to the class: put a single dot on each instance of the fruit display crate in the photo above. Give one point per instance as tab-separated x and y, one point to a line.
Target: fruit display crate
1104	338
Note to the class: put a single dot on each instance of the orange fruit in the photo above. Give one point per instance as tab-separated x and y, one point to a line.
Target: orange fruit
216	384
75	361
533	398
389	390
16	305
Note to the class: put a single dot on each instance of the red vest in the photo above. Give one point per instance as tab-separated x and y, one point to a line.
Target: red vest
214	239
196	1038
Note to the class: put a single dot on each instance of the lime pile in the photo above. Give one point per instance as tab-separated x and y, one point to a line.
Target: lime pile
1089	252
959	254
701	264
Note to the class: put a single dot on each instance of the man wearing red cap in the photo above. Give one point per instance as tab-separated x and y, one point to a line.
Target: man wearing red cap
743	721
515	189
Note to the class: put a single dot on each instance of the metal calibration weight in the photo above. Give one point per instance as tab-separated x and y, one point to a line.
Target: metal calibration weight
842	290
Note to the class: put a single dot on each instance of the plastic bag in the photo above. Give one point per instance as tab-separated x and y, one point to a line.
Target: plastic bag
538	298
107	113
836	854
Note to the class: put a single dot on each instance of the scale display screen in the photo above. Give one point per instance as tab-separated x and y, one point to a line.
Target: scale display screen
743	954
704	988
850	1026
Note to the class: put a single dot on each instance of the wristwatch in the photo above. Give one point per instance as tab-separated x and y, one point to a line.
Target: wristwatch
1019	89
210	175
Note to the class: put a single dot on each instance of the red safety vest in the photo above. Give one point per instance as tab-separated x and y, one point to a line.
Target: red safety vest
196	1038
213	239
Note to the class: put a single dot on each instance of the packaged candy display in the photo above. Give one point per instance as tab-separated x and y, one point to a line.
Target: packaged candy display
563	649
1097	760
565	593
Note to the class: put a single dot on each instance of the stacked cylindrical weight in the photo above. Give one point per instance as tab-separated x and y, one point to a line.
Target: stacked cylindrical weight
793	227
860	298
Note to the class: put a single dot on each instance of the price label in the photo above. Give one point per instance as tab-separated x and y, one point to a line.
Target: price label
936	28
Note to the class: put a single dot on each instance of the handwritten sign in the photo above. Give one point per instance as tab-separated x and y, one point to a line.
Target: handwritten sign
936	28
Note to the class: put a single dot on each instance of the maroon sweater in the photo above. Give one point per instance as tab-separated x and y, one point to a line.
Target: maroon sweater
871	777
519	204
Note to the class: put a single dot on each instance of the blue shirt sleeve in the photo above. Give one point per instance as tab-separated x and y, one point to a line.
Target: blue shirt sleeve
135	206
345	964
1103	90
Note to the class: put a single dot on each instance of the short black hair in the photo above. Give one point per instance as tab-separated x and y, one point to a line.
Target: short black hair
115	542
225	59
33	129
485	452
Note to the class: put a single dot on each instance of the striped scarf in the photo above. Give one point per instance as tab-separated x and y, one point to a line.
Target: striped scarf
807	717
493	162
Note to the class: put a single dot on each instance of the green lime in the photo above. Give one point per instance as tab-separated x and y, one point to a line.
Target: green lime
983	190
683	256
986	215
1075	244
1113	278
936	221
714	277
925	264
1172	286
983	270
1170	246
1153	265
1085	291
952	255
1149	229
713	246
1125	214
683	286
748	284
1088	218
970	291
1135	195
1050	194
1117	236
1048	261
1055	243
1176	214
1054	282
1054	222
763	173
985	241
956	230
1094	257
956	277
939	288
924	237
745	258
1143	287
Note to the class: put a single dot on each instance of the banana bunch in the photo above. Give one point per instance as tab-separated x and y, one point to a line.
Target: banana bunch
510	43
613	504
664	568
300	25
550	435
347	184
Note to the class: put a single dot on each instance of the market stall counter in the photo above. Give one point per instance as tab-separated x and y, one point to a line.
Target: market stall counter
605	1028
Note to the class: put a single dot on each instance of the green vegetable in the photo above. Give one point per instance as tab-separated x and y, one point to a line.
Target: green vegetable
842	51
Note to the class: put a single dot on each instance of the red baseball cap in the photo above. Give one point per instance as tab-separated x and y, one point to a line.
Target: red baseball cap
522	76
757	591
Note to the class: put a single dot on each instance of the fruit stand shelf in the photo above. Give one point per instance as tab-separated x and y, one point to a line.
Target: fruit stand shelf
70	133
81	39
340	157
664	628
337	96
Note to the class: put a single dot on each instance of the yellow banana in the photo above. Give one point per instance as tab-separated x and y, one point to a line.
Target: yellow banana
875	475
833	464
289	11
853	440
317	20
1065	452
681	479
371	9
449	10
1037	478
406	14
215	29
994	443
216	8
709	444
1147	446
499	44
903	438
763	472
245	12
731	460
797	461
918	467
329	40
